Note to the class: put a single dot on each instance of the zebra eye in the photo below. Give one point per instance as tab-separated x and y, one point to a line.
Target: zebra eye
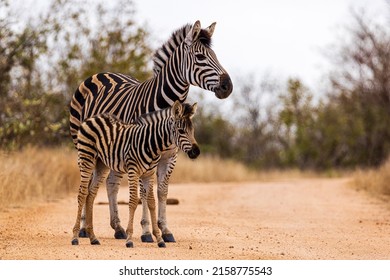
200	57
181	131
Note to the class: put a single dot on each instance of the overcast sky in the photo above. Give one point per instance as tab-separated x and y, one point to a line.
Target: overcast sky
286	37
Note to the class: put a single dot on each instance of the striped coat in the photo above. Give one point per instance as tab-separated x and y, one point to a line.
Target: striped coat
135	149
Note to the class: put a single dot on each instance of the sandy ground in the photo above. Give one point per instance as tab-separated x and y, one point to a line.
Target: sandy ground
289	219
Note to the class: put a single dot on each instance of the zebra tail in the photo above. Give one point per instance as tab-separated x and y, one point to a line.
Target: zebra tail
77	104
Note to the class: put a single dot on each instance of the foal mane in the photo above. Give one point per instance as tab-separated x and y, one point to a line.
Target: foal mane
162	54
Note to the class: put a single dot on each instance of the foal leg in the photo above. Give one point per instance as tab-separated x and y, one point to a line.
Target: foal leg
86	169
146	235
149	205
112	183
164	171
83	232
100	173
133	179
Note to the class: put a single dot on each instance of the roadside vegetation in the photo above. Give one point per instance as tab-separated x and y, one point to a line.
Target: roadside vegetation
375	181
36	175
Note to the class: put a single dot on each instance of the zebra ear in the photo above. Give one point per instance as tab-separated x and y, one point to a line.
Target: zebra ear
193	34
193	110
210	29
177	110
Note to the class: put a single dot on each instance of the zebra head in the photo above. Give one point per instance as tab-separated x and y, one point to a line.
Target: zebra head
183	128
202	67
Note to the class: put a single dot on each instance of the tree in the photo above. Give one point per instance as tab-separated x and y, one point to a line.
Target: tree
361	88
20	83
110	41
213	131
254	108
297	119
44	59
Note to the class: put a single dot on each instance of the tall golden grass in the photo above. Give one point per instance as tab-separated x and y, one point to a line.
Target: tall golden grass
376	181
35	174
208	168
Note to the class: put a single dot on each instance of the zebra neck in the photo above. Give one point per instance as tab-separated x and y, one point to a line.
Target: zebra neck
157	129
167	143
171	82
165	138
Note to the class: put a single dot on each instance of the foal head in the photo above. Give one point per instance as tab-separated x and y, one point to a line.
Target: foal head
183	128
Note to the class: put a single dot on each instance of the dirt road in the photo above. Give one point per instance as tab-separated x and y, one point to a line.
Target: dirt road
289	219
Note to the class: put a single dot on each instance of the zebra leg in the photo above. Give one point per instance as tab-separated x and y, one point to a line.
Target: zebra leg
83	232
146	235
81	198
148	198
133	202
112	183
86	169
152	208
164	171
99	174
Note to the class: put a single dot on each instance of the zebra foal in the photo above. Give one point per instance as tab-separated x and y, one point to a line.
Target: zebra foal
105	143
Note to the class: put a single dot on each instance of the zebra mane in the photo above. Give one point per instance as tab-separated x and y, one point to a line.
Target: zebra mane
143	119
162	54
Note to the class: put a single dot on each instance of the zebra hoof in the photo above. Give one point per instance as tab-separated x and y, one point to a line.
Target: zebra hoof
129	244
75	242
161	244
147	238
83	233
95	242
120	234
168	237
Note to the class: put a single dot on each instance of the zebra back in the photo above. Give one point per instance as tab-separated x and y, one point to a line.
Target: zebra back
98	85
140	142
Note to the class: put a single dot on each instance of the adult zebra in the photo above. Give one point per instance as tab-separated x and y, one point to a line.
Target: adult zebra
185	59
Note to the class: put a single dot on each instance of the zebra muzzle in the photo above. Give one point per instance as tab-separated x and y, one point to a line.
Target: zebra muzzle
194	152
225	87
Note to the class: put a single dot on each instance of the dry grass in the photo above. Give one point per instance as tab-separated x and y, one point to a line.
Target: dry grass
213	169
376	181
35	175
210	169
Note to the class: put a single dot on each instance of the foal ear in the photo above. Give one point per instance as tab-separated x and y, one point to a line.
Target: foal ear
210	29
177	110
193	110
193	34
